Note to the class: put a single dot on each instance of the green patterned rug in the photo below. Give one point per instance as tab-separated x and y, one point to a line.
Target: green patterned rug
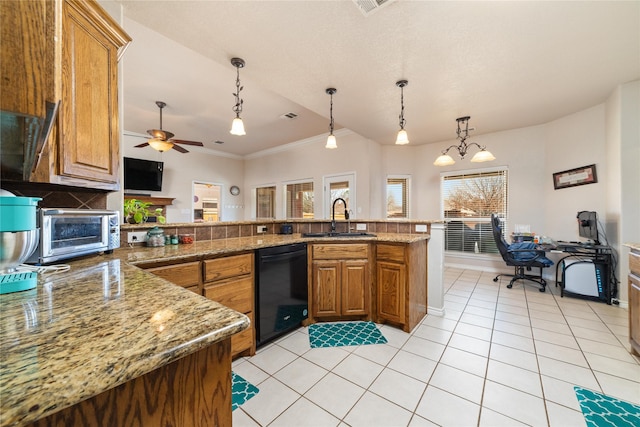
241	390
344	333
600	410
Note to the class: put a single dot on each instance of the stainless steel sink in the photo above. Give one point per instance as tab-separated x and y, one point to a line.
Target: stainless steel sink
338	234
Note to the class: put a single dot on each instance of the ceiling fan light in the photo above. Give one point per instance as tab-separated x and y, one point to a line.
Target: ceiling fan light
444	160
237	127
482	156
160	144
331	142
403	138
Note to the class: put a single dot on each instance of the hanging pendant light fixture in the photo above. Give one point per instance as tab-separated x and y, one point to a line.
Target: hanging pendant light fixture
403	138
481	156
237	126
331	139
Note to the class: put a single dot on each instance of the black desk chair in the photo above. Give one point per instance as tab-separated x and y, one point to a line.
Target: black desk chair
522	256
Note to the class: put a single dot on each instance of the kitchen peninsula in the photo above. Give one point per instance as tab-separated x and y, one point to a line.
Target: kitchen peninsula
107	339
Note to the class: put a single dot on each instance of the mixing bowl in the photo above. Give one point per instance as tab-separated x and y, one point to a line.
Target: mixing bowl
16	247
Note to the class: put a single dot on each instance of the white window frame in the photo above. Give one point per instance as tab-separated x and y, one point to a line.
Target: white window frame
285	195
254	200
407	203
350	177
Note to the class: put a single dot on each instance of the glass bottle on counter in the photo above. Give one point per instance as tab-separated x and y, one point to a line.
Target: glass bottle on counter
155	237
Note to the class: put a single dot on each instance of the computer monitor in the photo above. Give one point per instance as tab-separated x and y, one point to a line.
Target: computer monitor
588	225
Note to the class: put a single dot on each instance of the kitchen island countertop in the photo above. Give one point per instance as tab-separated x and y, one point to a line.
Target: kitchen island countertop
105	322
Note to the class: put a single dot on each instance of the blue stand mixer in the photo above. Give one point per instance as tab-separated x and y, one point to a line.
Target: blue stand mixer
18	240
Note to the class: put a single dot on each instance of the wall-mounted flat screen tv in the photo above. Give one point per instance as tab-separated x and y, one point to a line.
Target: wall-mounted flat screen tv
145	175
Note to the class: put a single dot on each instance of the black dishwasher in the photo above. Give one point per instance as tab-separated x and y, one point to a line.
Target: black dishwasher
281	290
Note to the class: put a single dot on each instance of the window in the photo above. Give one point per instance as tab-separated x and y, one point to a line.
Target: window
265	202
397	197
339	189
468	199
299	200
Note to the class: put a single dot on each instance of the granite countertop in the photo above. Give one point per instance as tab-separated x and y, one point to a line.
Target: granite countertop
105	322
90	329
634	246
209	248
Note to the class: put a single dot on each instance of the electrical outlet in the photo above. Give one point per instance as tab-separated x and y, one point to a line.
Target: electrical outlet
261	229
361	227
136	236
421	228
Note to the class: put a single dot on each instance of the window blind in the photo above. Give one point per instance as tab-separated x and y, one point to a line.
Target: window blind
397	198
468	200
265	202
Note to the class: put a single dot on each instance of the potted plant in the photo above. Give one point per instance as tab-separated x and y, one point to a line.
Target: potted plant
136	212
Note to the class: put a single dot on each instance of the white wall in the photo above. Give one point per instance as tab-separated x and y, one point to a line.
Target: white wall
310	160
180	170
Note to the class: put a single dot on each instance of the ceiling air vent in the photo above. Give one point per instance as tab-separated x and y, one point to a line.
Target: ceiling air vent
367	7
289	116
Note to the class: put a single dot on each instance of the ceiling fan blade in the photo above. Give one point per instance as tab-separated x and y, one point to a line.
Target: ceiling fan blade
160	134
144	144
180	149
182	141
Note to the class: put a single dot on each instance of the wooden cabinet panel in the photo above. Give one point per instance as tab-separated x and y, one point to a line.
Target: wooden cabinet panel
235	293
355	295
388	252
340	280
231	266
326	291
340	251
186	274
634	313
391	291
634	263
229	280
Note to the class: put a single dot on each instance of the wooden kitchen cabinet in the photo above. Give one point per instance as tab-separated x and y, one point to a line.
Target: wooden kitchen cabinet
634	301
69	49
186	274
401	283
340	280
229	280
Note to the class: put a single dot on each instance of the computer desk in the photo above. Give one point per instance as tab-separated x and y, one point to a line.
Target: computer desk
602	254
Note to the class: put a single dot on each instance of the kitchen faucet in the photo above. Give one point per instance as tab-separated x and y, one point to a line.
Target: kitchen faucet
333	213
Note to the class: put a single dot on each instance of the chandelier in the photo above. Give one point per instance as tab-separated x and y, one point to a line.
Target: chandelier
331	139
481	156
237	126
402	138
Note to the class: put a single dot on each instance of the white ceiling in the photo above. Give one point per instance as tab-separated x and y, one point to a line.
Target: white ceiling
506	64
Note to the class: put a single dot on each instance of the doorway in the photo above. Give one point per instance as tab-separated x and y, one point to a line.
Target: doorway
206	202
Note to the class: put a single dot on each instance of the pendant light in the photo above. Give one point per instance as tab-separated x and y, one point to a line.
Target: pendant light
237	126
403	138
481	156
331	139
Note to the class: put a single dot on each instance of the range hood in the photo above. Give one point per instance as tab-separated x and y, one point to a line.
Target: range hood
22	138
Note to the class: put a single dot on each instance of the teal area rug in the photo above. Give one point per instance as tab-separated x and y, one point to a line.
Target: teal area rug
600	410
344	333
241	390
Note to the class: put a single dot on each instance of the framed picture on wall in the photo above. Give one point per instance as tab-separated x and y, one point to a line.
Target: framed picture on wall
572	177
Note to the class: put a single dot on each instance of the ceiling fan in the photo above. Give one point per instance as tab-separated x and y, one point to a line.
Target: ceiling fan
162	140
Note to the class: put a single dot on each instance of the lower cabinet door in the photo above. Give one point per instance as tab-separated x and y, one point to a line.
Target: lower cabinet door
391	297
355	276
326	288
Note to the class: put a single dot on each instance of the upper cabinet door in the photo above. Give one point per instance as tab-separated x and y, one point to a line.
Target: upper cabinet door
89	130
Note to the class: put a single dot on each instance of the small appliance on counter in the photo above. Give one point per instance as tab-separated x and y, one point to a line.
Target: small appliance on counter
18	240
69	233
286	229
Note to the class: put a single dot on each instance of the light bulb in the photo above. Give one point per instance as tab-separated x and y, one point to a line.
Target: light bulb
403	138
331	142
160	144
444	160
483	156
237	127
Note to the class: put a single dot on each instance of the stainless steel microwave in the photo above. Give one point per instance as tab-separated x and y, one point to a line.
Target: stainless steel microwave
69	233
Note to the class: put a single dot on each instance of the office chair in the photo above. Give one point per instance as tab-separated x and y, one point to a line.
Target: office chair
521	256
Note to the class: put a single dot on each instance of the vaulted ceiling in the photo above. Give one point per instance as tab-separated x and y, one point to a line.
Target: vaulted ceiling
506	64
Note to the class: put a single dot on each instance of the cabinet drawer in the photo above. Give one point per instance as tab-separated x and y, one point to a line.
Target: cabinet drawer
340	251
236	294
187	274
243	340
231	266
390	252
634	263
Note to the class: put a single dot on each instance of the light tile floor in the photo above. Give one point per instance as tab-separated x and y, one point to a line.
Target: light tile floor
499	357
